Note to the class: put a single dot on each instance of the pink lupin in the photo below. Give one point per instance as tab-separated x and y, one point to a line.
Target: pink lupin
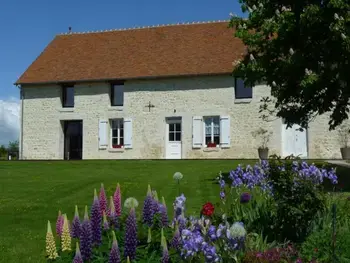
117	201
103	200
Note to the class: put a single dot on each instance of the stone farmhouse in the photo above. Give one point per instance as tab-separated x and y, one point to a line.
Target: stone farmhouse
162	92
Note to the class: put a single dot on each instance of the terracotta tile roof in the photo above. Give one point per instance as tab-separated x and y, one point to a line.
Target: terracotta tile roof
163	51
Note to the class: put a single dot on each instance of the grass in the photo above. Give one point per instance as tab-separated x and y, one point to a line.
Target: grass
33	192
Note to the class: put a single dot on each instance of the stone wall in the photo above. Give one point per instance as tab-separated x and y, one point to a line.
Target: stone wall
185	97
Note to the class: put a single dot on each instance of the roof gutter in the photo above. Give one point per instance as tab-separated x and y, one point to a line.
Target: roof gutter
118	79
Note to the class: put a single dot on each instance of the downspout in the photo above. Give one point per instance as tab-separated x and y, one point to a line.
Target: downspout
21	120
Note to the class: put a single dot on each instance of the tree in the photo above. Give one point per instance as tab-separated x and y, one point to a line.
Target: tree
3	150
13	147
301	49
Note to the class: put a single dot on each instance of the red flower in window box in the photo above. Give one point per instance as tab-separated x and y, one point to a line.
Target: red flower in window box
211	144
207	209
116	146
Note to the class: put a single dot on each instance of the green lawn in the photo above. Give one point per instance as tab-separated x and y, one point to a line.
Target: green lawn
33	192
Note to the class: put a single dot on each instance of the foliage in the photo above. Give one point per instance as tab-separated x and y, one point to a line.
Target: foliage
264	135
297	199
274	255
301	49
319	244
286	197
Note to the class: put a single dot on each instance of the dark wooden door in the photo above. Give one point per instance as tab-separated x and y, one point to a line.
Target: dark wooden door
73	140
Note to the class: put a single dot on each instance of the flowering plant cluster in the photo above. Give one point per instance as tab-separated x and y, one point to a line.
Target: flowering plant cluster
111	232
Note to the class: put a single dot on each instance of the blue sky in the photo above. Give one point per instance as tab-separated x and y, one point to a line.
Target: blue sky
27	26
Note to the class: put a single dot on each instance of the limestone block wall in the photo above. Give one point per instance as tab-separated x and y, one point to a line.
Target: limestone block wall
185	97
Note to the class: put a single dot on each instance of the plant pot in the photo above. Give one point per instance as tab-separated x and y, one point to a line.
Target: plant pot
263	153
345	153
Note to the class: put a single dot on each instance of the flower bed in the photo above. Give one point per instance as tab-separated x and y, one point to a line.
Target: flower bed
261	206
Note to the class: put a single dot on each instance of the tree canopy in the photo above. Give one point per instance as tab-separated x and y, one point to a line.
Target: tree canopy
301	49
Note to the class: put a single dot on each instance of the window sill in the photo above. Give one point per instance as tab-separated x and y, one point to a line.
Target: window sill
66	109
113	150
243	101
211	149
115	108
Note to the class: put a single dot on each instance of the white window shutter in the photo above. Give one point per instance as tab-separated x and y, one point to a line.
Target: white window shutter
127	133
102	134
197	132
225	131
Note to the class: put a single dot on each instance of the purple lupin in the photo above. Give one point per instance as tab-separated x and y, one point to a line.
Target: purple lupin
147	212
59	223
131	235
165	256
77	257
112	215
105	222
164	213
76	224
155	203
86	237
103	199
96	221
114	255
176	241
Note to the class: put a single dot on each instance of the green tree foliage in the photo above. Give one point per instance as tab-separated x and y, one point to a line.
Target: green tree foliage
13	146
301	49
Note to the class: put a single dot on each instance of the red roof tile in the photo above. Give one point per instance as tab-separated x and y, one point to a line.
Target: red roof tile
165	51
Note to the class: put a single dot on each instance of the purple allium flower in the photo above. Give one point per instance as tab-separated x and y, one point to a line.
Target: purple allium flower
114	255
59	223
147	212
165	256
96	221
105	222
131	235
117	201
245	197
103	199
76	224
77	257
86	237
112	215
164	215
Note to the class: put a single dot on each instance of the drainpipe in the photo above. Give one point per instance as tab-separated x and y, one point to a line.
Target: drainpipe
21	95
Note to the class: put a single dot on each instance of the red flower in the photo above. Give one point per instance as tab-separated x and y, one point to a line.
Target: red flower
208	209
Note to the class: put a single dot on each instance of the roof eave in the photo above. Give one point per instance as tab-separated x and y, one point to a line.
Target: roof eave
116	79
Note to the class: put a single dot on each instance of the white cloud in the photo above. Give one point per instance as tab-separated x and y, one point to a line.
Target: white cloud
9	120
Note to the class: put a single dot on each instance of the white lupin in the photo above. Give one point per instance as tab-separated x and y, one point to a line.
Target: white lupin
261	5
250	10
251	57
336	16
274	84
343	36
277	12
254	7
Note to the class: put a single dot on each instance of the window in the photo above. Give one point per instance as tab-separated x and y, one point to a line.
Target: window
175	132
68	97
117	133
212	131
117	94
242	91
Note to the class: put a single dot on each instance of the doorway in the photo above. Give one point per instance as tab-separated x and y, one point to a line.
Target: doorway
73	139
173	138
294	141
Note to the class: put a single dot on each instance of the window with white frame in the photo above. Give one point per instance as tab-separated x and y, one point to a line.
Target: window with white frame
212	131
117	133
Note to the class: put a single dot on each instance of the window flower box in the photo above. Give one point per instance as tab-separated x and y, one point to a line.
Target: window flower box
117	146
211	145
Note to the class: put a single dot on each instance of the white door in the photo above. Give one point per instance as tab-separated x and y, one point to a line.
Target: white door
294	141
173	138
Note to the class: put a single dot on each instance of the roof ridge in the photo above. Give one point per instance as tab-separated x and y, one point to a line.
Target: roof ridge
144	27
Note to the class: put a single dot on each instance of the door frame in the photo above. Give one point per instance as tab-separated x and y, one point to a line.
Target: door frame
171	120
282	141
65	127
